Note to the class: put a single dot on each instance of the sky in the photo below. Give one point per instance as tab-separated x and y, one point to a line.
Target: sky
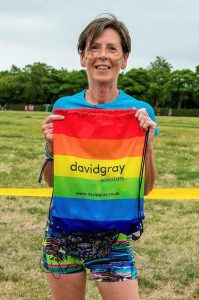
47	31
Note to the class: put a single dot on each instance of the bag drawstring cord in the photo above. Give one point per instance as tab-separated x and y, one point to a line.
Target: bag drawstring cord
140	226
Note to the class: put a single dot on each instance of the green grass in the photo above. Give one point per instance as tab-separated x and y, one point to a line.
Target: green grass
166	254
177	152
21	148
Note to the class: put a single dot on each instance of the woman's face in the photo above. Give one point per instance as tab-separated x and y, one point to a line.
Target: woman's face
105	57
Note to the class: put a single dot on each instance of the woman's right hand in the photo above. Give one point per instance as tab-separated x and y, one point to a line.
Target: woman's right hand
47	129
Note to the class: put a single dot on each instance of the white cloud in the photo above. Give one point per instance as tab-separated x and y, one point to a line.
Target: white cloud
47	30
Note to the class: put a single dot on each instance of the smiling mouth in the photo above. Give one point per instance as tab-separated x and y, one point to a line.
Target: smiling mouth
102	67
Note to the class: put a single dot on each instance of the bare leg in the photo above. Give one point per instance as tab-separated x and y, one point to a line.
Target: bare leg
122	290
68	286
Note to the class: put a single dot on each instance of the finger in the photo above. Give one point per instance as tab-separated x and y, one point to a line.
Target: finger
146	125
141	111
47	131
48	122
146	122
142	119
142	114
149	125
48	134
47	127
52	118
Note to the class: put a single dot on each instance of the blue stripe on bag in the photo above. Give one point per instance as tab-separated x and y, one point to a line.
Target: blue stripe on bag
85	209
67	225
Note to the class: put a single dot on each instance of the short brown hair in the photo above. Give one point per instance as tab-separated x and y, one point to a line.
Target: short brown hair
94	28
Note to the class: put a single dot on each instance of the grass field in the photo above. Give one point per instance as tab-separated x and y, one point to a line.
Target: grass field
167	253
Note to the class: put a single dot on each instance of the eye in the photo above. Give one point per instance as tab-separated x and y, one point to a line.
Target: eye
94	48
112	49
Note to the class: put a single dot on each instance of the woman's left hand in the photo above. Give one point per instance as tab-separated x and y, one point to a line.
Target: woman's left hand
146	122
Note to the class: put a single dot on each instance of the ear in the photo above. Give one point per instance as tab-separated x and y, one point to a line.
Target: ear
82	60
124	60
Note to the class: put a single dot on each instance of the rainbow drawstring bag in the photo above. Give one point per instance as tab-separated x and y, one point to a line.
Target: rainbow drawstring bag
98	171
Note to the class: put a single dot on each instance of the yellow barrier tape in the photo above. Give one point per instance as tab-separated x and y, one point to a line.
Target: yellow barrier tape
174	194
47	192
159	193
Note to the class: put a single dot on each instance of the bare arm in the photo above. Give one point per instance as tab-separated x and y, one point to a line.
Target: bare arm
150	168
47	129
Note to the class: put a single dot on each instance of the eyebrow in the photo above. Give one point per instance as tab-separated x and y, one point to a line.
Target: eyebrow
109	44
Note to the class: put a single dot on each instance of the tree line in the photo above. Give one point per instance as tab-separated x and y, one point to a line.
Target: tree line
158	84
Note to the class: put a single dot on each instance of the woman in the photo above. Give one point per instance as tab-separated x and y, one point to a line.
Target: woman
104	47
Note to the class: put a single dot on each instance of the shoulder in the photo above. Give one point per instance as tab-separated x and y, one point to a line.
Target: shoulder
68	101
129	102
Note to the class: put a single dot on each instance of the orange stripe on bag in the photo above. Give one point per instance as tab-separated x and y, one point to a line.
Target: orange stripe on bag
93	148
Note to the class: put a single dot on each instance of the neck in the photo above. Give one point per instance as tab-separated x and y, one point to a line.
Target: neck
97	96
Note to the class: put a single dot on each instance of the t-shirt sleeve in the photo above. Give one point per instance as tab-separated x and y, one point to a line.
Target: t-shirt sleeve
56	105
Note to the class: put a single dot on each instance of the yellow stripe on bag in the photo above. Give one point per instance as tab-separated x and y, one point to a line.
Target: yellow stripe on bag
70	166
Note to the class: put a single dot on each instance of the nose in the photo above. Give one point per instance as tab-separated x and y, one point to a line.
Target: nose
103	53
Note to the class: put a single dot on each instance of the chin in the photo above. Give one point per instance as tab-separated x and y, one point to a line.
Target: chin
102	79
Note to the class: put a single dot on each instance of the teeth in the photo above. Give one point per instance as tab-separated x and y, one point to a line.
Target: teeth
102	67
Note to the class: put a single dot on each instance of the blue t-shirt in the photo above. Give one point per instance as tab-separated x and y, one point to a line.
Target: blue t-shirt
123	101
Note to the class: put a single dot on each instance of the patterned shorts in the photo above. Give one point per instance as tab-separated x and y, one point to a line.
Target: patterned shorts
117	265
